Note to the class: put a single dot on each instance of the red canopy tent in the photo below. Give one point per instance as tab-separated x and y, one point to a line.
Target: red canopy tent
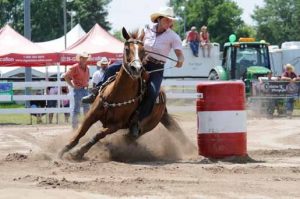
16	50
98	43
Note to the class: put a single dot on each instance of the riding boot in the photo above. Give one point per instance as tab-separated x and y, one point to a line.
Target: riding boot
91	97
134	128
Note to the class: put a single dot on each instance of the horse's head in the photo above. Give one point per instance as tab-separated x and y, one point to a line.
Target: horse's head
133	52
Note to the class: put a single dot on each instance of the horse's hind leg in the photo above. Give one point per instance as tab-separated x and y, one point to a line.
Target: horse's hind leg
78	154
87	123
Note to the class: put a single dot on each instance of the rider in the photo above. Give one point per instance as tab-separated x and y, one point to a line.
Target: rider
159	38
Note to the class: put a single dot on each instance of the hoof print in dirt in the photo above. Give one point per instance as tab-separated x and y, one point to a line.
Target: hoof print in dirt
16	157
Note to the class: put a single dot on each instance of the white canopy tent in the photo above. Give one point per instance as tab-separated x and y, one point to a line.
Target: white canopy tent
55	45
58	45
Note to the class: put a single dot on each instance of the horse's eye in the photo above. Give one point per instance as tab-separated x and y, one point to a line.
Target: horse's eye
127	48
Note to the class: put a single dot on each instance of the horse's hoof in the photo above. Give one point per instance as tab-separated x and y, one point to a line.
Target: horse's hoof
76	155
62	152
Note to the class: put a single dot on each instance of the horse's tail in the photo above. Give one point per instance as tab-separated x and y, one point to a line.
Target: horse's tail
176	131
170	123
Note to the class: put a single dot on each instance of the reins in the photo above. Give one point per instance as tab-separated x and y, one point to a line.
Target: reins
161	55
161	69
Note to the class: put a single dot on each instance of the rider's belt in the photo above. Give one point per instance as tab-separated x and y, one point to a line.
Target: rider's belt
86	87
155	61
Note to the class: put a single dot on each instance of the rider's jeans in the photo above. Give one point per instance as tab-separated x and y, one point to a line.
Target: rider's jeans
78	95
153	87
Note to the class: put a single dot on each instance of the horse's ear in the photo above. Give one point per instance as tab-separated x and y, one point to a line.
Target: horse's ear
125	34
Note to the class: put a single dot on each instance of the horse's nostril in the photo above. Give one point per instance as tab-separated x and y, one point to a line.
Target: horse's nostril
133	68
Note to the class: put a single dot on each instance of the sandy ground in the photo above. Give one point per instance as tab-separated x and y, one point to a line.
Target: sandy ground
158	166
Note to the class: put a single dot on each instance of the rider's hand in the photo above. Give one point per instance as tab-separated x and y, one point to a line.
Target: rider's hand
179	64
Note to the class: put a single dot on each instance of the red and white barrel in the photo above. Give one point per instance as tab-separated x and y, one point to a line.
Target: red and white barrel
221	119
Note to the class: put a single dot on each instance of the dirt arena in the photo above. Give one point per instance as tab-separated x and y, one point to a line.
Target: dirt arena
158	166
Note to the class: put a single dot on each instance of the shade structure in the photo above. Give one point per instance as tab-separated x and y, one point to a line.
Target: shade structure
98	43
58	45
16	50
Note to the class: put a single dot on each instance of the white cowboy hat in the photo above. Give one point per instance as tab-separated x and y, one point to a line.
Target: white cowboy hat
83	54
103	60
193	28
167	12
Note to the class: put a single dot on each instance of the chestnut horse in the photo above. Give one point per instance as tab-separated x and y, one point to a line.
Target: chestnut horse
119	98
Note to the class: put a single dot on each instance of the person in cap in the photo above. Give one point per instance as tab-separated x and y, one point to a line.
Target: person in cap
204	41
77	77
290	75
160	39
101	67
193	39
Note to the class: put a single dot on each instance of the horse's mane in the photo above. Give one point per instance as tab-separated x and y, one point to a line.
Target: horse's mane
134	34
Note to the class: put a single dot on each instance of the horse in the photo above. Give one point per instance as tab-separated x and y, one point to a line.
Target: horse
119	98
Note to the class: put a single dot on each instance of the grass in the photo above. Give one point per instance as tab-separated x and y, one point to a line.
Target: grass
11	105
24	119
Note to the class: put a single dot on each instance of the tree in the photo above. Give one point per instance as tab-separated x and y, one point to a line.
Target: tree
11	12
47	16
278	21
118	35
222	17
90	12
225	20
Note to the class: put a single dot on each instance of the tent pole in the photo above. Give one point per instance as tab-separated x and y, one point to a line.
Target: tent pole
27	34
58	89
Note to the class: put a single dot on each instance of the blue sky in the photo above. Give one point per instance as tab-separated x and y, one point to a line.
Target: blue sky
135	13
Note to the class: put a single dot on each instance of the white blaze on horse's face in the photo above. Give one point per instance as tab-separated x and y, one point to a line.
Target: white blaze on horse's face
133	53
137	60
135	64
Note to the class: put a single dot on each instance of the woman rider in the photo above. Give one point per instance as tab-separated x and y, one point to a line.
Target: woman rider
159	38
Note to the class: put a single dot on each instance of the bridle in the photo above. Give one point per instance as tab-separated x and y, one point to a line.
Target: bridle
125	63
137	98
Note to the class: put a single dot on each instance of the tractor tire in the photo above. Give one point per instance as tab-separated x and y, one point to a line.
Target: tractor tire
213	75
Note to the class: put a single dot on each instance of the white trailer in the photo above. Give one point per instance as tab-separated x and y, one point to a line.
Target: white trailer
194	67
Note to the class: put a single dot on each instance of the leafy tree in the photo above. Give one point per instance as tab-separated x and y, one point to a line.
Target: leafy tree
246	31
222	17
278	21
11	12
90	12
118	35
47	16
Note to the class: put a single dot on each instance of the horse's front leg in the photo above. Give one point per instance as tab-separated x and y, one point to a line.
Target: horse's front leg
78	154
81	131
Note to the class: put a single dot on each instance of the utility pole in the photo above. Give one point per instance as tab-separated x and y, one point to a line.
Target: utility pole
27	34
65	21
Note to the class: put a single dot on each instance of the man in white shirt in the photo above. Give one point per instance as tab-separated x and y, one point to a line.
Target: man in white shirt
101	67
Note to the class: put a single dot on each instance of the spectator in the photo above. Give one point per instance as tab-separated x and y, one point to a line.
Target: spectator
77	77
204	41
290	75
101	67
37	104
272	102
193	39
65	103
51	103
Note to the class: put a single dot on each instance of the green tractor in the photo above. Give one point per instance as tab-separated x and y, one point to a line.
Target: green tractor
243	60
